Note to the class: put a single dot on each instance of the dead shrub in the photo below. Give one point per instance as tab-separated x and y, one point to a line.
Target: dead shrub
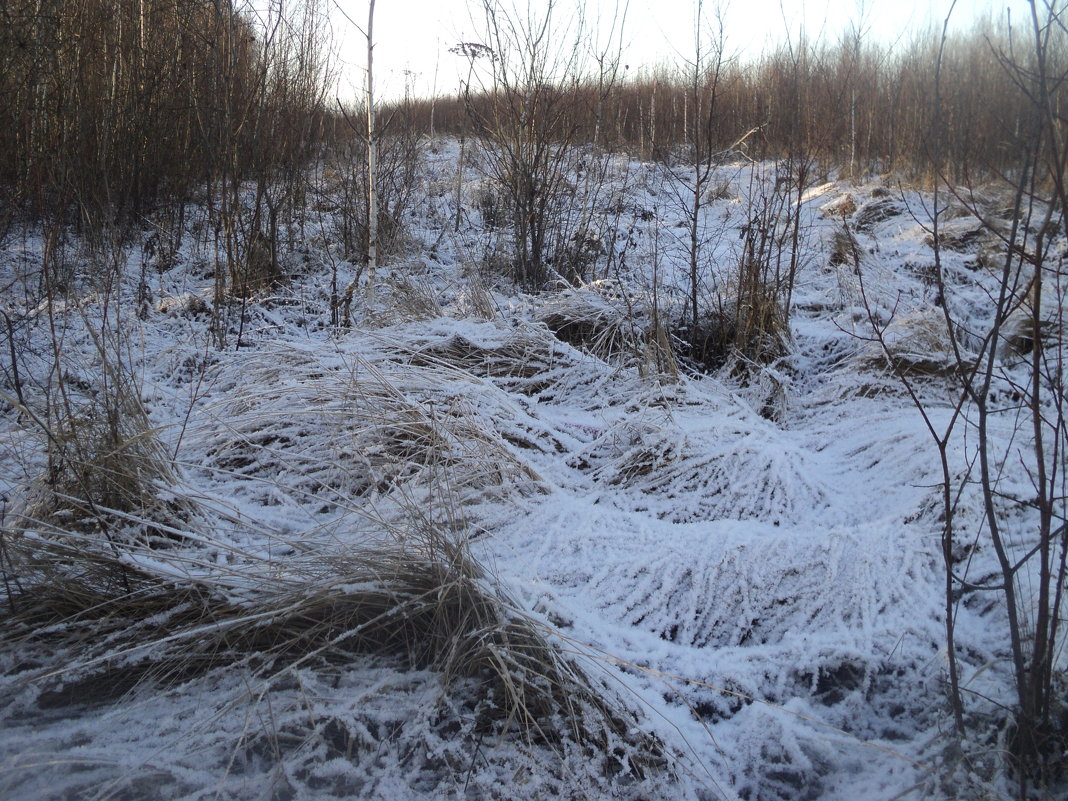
256	269
576	259
491	205
399	169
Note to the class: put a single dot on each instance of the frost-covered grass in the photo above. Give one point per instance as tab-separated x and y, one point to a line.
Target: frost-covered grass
447	553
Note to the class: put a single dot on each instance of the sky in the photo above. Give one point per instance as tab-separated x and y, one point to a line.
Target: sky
413	37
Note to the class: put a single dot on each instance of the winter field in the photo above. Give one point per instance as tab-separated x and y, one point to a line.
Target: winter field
484	543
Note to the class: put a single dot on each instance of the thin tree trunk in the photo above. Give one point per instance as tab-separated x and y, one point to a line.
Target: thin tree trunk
372	162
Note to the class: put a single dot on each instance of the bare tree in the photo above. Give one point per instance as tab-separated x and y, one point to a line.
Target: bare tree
372	160
1018	354
472	51
371	140
528	127
702	76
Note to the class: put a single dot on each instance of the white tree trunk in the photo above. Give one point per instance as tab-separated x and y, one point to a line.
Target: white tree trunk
372	162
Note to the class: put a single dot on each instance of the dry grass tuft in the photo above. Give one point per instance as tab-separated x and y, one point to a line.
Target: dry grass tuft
602	318
720	189
845	250
839	208
879	210
917	344
477	301
608	321
416	596
406	299
99	617
1018	332
107	472
359	431
523	361
962	234
528	360
185	305
748	328
688	479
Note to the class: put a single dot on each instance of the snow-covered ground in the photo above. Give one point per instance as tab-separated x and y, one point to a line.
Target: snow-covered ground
752	568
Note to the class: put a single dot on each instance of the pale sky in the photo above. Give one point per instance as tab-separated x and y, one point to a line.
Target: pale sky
413	37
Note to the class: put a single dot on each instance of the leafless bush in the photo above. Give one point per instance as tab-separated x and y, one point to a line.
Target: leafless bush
746	323
399	170
1027	562
525	117
84	123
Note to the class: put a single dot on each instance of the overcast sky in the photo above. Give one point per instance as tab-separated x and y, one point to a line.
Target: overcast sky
413	37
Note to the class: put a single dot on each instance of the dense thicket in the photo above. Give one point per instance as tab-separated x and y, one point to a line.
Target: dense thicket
852	103
106	104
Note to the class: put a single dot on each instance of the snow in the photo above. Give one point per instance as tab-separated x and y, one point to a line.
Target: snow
765	595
